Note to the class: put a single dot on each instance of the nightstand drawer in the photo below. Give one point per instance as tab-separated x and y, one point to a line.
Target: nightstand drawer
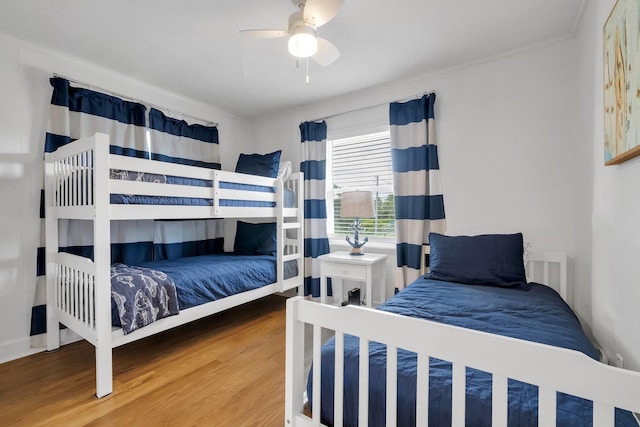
357	272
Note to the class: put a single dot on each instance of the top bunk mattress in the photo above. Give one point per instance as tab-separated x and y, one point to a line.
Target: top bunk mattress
538	315
133	199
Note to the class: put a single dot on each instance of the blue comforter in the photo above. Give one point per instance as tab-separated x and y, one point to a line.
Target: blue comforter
202	279
206	278
538	314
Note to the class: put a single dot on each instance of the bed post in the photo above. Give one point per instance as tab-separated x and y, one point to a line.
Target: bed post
280	233
300	235
102	260
294	372
51	249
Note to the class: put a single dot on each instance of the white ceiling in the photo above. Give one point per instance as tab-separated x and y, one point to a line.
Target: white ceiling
193	48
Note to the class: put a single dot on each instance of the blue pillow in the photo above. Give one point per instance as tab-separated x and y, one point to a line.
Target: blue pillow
255	239
259	164
489	259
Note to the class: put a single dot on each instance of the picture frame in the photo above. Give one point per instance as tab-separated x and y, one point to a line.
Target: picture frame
621	59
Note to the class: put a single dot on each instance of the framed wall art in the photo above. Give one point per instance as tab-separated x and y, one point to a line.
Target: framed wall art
622	82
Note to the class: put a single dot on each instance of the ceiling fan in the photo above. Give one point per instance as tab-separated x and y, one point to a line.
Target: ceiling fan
303	31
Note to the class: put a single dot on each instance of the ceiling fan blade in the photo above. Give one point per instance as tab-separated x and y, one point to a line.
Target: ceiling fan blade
327	53
319	12
264	34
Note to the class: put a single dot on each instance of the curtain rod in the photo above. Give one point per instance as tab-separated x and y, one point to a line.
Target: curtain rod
375	105
128	98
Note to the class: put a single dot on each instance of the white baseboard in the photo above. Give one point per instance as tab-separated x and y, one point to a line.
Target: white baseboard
24	347
16	349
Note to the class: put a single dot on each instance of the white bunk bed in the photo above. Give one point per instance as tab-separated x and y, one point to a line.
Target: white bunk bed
78	185
552	369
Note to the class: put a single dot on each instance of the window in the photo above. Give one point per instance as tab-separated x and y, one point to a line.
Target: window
361	163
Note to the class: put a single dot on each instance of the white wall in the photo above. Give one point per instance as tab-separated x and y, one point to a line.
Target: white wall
506	135
616	207
26	93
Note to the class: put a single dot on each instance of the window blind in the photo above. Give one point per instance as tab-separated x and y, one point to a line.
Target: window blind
364	163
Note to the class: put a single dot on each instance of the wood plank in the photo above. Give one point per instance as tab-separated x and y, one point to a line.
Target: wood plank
224	370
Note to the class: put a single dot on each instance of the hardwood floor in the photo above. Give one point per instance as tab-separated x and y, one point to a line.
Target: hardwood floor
225	370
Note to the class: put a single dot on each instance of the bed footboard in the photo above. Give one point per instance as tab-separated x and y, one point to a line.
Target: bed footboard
552	369
74	294
78	300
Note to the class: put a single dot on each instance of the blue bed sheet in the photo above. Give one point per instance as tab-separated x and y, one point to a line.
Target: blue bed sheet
538	315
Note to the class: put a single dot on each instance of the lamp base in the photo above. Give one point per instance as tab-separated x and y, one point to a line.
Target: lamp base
357	251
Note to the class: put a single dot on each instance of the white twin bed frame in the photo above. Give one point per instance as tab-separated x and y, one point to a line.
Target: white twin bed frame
78	186
551	368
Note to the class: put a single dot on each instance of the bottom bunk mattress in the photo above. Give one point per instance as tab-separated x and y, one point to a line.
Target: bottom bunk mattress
206	278
538	314
202	279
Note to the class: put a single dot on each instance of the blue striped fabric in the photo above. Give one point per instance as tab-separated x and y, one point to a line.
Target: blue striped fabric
170	251
314	169
159	121
178	239
75	113
419	207
78	112
52	142
419	203
315	208
80	100
316	243
128	253
415	158
408	255
176	141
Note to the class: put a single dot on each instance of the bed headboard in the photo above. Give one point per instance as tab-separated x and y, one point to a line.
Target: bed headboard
549	268
546	267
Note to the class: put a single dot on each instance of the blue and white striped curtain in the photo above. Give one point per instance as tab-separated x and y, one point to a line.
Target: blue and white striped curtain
175	141
417	187
75	113
314	167
78	112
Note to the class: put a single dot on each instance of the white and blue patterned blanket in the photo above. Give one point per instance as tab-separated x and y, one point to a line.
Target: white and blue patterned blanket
142	295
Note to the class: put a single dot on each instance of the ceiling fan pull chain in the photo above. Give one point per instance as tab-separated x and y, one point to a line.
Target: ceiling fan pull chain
307	69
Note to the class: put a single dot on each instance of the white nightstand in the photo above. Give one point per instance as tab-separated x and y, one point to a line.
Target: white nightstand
367	268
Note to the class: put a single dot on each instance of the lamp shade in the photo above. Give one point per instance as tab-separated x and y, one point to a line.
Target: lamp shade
357	204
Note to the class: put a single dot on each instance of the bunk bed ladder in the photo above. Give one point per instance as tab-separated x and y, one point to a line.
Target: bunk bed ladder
290	249
280	233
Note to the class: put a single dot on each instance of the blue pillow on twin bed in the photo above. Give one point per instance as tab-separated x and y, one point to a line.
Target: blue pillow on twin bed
255	239
259	164
488	259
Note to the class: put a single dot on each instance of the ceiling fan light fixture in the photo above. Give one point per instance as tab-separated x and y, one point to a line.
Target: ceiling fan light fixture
303	43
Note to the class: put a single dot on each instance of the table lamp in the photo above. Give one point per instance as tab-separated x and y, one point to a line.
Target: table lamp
357	204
